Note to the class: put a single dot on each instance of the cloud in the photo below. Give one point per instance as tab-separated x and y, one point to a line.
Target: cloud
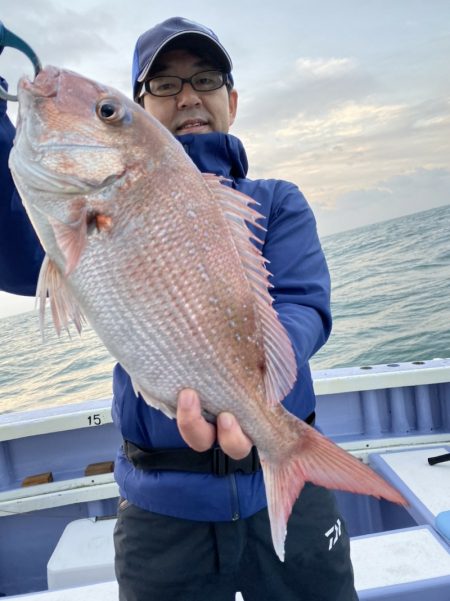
60	34
352	146
334	124
410	192
324	68
306	86
78	38
347	120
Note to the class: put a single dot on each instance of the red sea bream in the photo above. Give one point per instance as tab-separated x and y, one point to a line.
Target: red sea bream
160	260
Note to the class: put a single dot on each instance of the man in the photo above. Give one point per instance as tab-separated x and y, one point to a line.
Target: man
193	524
182	76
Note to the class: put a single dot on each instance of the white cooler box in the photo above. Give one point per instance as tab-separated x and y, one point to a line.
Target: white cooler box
84	554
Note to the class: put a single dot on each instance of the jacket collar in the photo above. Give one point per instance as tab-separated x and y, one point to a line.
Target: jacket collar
218	153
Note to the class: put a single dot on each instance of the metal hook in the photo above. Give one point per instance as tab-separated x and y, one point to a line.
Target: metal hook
11	40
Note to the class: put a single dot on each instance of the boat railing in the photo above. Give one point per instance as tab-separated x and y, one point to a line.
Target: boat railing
364	409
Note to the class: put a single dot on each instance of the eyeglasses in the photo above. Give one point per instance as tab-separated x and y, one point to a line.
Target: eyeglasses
170	85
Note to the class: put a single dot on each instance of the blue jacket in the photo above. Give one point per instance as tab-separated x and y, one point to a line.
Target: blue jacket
301	291
20	251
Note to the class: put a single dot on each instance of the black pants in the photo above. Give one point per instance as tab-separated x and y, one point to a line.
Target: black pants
159	558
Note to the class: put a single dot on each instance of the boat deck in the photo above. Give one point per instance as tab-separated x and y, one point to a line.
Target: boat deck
369	411
404	564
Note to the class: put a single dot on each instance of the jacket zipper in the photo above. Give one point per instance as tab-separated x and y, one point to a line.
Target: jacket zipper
235	515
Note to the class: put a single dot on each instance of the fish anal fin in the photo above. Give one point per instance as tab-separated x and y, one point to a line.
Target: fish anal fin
282	489
314	458
64	307
280	371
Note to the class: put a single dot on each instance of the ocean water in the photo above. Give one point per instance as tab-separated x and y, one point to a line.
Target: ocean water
390	301
390	292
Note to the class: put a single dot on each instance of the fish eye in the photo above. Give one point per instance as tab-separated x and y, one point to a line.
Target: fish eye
110	110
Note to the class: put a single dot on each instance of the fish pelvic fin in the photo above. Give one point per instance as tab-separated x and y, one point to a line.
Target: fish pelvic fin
280	369
64	308
314	458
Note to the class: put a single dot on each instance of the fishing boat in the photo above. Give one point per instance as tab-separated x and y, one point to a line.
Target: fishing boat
58	497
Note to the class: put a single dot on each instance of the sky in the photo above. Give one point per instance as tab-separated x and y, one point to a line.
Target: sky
350	100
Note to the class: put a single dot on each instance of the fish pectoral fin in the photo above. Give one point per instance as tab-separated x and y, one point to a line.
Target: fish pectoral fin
314	458
63	305
168	411
280	368
71	237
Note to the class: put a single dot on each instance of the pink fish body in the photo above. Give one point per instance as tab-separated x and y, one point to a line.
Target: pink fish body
160	260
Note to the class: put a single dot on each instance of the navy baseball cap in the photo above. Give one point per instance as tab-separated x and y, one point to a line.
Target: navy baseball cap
153	41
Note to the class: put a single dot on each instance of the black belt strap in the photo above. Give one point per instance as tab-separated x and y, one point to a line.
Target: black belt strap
213	461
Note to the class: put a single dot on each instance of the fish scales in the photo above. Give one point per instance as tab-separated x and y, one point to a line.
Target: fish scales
186	275
160	260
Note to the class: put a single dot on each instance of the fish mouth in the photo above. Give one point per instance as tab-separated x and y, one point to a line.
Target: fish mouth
45	84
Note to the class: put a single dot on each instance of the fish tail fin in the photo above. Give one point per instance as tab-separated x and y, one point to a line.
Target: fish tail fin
314	458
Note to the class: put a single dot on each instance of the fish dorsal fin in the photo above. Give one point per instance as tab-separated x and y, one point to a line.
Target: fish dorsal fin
64	307
281	367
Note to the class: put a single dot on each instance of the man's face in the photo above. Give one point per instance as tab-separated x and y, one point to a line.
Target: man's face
191	112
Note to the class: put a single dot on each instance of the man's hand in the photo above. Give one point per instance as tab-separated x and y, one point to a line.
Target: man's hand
200	435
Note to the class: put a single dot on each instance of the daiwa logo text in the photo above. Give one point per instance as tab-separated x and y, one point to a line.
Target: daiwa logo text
333	534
